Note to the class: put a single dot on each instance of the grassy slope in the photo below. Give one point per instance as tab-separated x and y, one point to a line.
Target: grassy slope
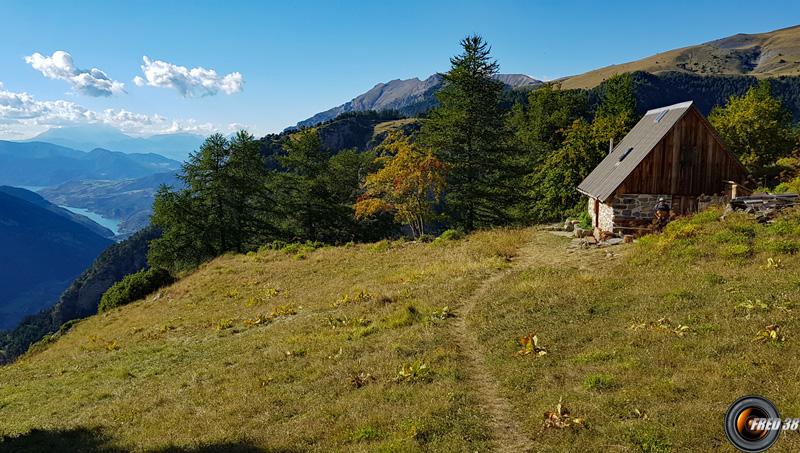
779	56
612	358
395	125
172	372
187	370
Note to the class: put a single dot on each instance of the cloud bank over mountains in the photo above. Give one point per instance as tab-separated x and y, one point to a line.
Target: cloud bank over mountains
194	82
21	114
60	66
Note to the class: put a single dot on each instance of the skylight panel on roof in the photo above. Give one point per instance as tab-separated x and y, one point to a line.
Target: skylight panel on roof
624	155
661	115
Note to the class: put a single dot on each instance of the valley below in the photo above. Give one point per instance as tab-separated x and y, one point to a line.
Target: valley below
122	205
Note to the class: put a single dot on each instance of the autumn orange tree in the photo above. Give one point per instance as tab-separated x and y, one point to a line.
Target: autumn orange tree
410	182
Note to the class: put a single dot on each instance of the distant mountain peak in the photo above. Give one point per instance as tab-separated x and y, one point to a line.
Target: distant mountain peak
407	96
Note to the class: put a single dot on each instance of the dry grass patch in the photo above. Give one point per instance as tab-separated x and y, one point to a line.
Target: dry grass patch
333	348
650	350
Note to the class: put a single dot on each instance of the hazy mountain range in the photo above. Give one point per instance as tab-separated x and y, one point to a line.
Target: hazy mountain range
408	97
47	164
90	136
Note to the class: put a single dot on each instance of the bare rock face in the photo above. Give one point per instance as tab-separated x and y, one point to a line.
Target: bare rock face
408	96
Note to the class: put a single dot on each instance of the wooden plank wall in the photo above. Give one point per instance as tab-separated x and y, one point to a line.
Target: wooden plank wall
688	161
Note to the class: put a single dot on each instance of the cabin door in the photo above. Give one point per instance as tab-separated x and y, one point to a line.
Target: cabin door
684	204
596	213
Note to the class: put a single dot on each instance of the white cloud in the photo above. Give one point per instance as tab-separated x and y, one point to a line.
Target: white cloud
190	126
236	127
195	82
22	115
60	66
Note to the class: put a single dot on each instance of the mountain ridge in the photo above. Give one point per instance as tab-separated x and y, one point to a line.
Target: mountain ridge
773	54
47	164
176	146
769	54
83	295
35	198
407	96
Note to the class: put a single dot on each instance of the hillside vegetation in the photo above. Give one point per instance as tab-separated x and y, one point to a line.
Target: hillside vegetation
83	295
771	54
412	346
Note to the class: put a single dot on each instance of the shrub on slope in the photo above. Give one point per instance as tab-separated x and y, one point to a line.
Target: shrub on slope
134	287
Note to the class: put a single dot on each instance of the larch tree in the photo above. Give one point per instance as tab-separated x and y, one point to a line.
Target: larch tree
408	185
224	206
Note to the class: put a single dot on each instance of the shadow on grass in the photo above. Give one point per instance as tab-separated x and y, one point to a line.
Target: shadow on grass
68	441
84	440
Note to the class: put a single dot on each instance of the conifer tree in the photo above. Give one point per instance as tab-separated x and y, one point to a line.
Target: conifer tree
224	206
466	133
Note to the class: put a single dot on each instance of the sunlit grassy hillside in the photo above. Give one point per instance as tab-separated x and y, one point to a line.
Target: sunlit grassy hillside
771	54
408	346
650	350
287	351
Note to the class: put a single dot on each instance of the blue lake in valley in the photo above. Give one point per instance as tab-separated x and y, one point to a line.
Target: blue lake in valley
111	224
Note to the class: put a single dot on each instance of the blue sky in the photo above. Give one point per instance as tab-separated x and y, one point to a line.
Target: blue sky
298	58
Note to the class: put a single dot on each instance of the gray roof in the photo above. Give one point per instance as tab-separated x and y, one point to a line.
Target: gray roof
626	156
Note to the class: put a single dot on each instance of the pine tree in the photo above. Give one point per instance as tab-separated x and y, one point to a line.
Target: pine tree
466	133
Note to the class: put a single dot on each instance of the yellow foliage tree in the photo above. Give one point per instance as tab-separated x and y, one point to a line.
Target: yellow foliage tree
757	127
408	185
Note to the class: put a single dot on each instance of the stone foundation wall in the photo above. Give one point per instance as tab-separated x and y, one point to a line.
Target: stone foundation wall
606	216
637	206
633	209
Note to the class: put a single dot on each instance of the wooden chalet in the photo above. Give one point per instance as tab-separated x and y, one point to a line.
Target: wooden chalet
671	153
